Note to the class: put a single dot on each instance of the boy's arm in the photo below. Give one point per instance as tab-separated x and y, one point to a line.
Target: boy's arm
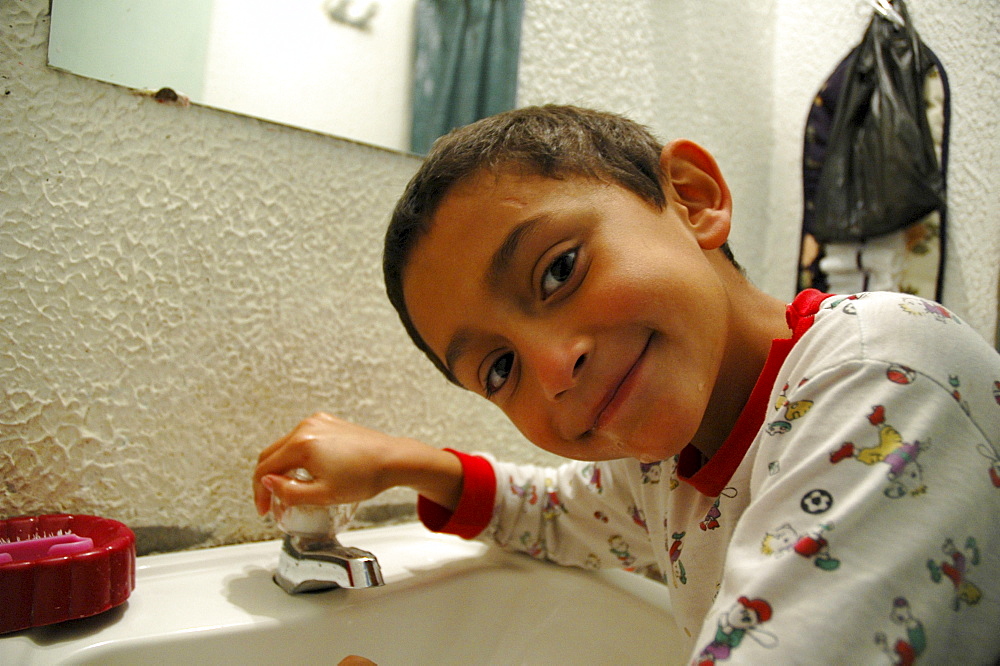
581	514
577	514
571	514
350	463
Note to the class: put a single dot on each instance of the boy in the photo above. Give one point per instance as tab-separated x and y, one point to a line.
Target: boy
821	478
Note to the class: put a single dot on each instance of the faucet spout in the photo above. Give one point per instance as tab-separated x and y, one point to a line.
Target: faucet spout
310	564
311	557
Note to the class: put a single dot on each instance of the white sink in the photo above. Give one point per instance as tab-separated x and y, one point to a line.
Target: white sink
445	601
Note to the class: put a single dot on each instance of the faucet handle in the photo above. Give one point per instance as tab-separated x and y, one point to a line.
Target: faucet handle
310	520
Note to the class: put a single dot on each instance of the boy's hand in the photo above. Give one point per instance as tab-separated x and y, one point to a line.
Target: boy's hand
350	463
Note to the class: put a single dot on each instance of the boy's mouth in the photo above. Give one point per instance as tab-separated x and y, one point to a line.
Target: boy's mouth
619	392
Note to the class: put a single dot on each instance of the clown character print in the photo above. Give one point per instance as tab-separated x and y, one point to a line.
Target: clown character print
651	472
711	519
675	543
638	517
811	545
904	472
592	475
526	492
552	506
955	567
904	651
620	549
789	411
741	621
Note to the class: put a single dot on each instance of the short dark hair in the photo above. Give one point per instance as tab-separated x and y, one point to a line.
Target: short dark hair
550	141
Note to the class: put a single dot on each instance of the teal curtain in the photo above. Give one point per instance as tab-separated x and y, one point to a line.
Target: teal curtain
465	65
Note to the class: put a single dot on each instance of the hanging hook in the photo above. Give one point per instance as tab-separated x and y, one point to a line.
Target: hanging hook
887	11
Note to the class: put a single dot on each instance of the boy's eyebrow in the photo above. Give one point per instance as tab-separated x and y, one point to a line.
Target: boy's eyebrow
504	255
456	347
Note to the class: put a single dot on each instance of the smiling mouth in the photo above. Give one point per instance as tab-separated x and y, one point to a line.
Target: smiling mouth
614	399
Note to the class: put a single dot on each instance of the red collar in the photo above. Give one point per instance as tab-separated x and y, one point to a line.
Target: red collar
710	477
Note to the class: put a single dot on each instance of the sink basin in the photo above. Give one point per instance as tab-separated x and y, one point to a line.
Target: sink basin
445	601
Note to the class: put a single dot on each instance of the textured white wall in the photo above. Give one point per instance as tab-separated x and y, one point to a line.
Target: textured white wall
589	53
740	77
697	70
810	37
180	286
714	86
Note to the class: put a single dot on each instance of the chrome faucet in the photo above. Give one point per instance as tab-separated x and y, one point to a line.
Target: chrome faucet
311	564
311	558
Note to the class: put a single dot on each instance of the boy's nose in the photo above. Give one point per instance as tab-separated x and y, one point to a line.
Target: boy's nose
559	364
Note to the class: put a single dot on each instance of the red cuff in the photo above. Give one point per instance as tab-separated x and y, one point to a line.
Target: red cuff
475	506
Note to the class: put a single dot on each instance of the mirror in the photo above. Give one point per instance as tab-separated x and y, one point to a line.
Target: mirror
340	67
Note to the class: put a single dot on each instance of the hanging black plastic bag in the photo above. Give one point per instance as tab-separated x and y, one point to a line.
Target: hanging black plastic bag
880	172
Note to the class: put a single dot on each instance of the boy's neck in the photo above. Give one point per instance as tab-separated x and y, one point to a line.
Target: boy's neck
756	320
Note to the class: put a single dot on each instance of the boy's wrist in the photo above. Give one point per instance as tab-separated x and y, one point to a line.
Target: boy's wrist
434	473
474	509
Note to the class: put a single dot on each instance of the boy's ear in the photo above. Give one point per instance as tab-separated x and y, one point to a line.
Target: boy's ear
694	181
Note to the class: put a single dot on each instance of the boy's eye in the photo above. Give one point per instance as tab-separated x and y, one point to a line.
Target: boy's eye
558	272
498	373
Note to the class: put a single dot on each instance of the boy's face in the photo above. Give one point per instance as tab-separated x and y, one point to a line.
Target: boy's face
594	321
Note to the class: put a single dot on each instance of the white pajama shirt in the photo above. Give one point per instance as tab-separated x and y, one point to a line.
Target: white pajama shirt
853	515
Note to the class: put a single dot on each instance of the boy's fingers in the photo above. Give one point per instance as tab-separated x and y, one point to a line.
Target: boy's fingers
292	491
280	460
290	452
262	490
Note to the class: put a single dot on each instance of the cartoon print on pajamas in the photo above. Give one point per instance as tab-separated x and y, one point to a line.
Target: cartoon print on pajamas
922	308
638	517
711	520
955	570
525	492
900	374
816	501
990	454
812	545
905	474
904	652
592	474
553	507
534	548
674	545
793	410
619	548
848	303
987	451
650	472
955	384
742	620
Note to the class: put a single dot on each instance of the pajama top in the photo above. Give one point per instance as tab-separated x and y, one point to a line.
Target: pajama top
852	516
